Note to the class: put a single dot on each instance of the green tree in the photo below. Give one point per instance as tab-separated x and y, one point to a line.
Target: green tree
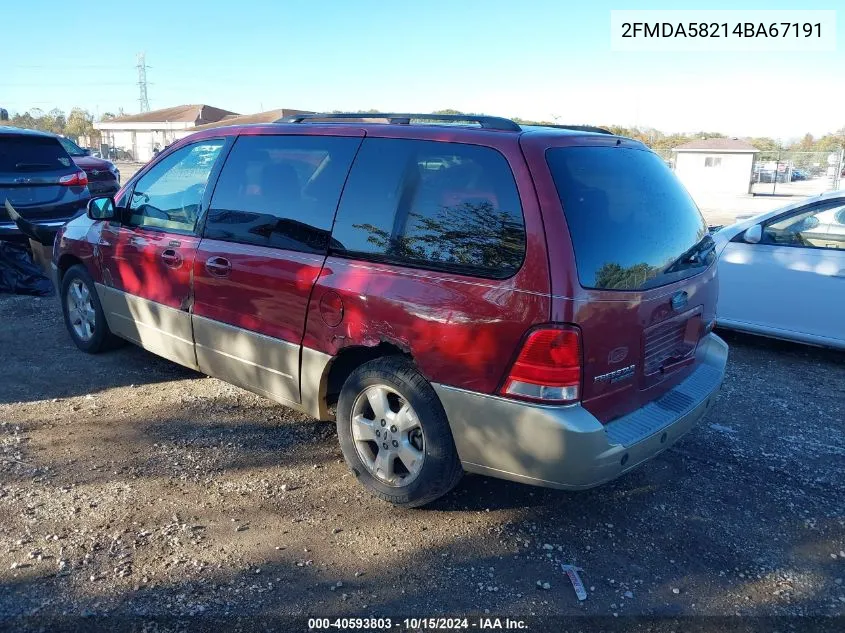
80	123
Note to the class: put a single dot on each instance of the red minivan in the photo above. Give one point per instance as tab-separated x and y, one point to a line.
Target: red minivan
459	293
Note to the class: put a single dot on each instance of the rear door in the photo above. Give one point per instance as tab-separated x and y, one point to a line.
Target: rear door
265	240
148	257
792	283
32	167
637	273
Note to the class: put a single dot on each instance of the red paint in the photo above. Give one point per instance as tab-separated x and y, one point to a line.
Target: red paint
265	291
462	331
140	261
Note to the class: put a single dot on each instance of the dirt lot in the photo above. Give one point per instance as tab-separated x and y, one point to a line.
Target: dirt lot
132	487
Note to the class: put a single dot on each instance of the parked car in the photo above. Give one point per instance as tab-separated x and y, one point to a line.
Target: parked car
39	178
103	176
782	273
523	302
798	174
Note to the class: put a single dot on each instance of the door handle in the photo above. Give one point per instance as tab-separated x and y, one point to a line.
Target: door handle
171	258
218	266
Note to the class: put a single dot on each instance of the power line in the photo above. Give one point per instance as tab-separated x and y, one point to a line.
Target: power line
143	99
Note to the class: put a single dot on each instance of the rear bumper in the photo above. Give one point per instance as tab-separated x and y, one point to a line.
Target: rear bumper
566	447
10	232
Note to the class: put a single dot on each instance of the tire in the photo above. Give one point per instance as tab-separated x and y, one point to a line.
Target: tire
436	472
101	338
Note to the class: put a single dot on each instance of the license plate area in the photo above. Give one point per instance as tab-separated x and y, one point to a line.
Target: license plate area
670	345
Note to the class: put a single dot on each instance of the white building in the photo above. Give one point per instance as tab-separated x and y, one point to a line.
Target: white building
715	165
141	134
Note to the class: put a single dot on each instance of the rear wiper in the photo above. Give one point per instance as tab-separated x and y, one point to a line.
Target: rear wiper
695	255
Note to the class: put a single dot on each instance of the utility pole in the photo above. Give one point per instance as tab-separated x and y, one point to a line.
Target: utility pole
143	100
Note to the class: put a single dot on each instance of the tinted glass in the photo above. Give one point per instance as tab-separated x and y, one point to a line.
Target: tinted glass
280	191
629	218
434	205
170	194
26	153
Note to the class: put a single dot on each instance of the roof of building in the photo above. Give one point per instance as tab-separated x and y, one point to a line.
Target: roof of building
716	145
199	113
270	116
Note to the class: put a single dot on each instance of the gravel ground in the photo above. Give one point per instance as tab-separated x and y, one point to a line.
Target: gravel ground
132	487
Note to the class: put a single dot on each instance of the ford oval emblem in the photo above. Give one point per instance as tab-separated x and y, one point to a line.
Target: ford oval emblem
679	301
617	355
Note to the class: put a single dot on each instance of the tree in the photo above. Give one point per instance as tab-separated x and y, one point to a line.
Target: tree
80	123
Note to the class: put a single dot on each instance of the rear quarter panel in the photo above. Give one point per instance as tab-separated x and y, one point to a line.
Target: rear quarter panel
461	331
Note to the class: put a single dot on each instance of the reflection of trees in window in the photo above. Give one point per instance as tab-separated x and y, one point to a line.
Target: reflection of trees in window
474	235
613	276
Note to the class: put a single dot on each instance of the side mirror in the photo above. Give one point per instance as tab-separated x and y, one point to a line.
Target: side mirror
101	208
86	151
754	234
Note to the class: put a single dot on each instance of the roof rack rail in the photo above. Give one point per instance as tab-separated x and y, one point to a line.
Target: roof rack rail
487	122
580	128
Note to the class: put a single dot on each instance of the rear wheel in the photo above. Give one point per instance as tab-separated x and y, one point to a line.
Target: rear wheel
394	433
84	316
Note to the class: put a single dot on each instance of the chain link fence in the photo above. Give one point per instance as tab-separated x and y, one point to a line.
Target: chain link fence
798	172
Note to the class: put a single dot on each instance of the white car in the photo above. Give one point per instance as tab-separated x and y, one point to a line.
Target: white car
782	273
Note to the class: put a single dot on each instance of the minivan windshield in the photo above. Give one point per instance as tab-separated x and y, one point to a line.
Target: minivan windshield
633	225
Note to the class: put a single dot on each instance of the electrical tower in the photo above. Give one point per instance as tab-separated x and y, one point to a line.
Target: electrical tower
143	100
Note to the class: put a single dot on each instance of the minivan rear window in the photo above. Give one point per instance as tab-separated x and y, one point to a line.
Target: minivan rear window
629	217
28	153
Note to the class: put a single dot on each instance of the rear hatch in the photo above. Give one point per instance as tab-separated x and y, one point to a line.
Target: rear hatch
646	288
30	168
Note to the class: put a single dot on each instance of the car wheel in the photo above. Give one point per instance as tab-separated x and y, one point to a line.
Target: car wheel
84	317
394	433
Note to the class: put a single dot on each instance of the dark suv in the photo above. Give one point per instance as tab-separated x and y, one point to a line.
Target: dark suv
103	175
458	293
41	181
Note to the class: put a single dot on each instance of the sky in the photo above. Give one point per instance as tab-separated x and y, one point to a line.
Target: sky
537	59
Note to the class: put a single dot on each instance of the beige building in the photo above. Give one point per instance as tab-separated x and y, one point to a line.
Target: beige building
715	165
141	134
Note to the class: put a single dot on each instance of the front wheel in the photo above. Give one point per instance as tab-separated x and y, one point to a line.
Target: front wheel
394	433
84	316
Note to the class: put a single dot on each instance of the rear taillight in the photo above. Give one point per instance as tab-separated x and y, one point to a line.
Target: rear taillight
79	179
548	368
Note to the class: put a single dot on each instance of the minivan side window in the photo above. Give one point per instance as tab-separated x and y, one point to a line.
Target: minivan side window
430	204
169	195
280	191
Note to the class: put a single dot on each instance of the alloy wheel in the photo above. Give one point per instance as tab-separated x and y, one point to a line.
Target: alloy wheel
388	436
80	310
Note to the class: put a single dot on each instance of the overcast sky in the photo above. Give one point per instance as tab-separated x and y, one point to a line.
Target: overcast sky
534	59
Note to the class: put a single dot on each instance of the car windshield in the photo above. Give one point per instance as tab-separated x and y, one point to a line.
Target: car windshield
633	225
71	148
